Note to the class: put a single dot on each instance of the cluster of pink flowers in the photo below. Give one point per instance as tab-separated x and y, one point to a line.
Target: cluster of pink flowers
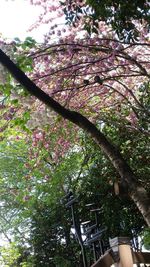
94	76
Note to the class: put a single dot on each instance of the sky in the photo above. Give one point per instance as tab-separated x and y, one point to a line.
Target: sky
16	16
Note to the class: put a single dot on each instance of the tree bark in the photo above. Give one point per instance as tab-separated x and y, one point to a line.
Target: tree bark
137	193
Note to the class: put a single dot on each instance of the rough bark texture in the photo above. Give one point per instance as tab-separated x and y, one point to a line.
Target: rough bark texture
136	192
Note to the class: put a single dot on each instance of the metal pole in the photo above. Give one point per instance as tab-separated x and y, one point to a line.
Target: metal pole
94	252
78	233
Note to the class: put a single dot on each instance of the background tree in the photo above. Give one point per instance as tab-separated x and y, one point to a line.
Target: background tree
125	18
43	222
100	84
137	193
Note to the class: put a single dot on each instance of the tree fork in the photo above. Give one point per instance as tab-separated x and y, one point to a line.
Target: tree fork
137	193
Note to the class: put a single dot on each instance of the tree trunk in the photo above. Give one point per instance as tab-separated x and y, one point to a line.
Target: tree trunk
137	193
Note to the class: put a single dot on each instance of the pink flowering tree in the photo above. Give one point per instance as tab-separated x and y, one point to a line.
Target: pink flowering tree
77	83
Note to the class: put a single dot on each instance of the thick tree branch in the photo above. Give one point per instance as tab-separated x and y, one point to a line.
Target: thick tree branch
112	153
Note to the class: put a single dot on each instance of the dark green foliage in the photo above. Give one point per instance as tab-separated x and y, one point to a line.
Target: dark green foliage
51	237
90	176
146	238
33	201
118	213
121	15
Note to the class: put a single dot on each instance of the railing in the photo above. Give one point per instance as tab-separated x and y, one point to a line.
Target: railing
122	255
120	252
